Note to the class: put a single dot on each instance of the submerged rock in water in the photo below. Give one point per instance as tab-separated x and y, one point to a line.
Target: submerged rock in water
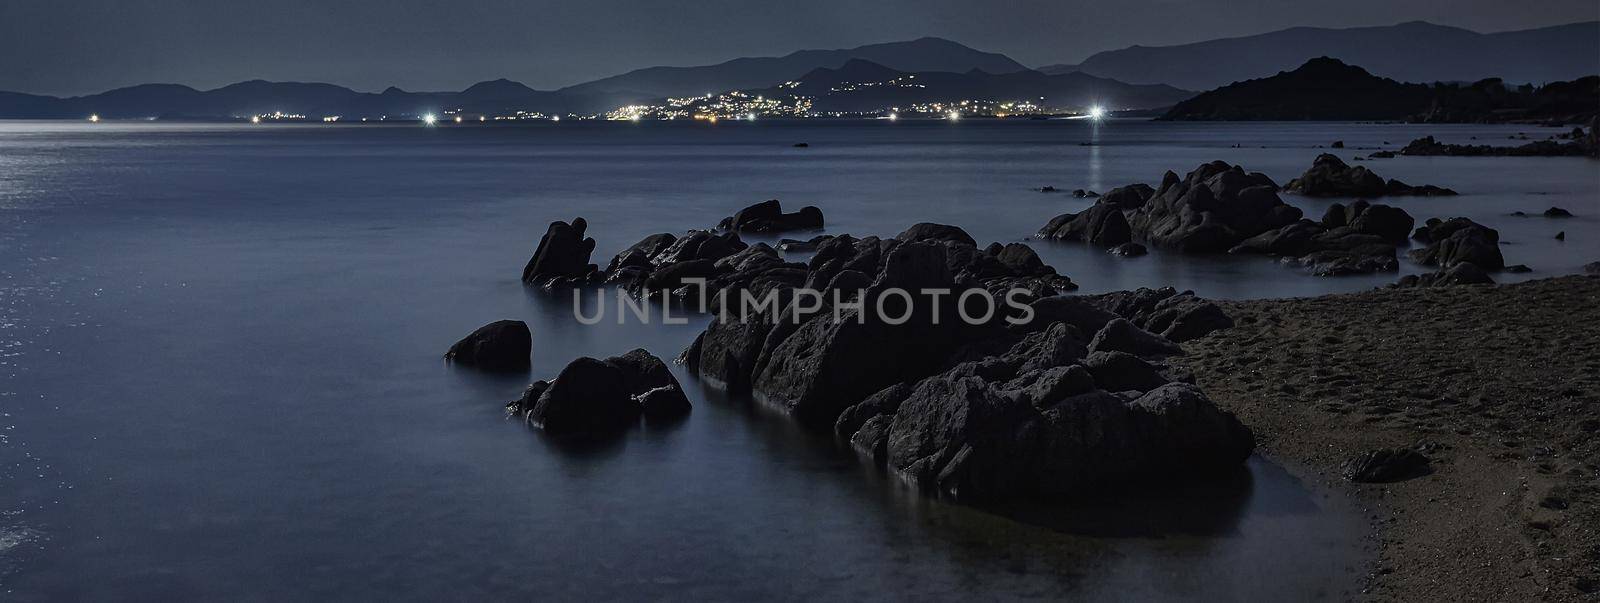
562	257
1457	240
502	345
1556	212
1128	250
768	217
596	397
1427	146
1329	176
1358	239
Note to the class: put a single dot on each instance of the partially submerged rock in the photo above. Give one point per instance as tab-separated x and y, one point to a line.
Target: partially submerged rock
1457	240
502	345
597	397
1102	225
768	217
562	258
1464	273
1427	146
1211	210
1329	176
1358	239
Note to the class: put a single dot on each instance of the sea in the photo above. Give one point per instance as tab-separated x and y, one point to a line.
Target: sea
221	373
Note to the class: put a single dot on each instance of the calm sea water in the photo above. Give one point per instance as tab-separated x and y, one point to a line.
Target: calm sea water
220	346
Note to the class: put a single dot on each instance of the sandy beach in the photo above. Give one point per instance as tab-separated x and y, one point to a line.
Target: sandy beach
1498	385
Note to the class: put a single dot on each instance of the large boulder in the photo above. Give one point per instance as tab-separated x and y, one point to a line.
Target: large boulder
502	345
966	438
597	397
1128	198
928	231
1458	240
1120	335
768	217
1211	210
1358	239
1102	225
562	255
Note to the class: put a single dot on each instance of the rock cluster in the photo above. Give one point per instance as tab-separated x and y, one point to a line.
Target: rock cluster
562	258
597	397
1329	176
1457	240
1579	146
768	217
1358	239
502	345
1464	273
979	409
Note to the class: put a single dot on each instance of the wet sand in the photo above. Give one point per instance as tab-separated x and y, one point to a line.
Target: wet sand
1500	385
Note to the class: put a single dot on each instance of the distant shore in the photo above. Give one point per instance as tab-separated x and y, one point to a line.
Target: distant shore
1498	385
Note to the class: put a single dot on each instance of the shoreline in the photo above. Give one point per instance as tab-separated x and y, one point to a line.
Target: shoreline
1497	385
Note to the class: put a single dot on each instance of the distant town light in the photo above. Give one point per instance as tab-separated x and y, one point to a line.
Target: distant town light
429	119
555	118
95	118
480	118
255	119
751	117
954	115
458	119
1097	112
894	116
634	118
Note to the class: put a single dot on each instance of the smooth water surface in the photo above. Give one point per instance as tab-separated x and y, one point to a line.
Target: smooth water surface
220	351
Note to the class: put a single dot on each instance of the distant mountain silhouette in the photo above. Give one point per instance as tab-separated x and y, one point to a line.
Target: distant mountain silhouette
861	85
921	55
257	97
1413	52
1328	89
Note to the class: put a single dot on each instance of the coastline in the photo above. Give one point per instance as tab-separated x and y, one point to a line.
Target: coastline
1498	386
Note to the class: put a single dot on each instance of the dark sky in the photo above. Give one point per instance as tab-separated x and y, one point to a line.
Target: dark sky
81	46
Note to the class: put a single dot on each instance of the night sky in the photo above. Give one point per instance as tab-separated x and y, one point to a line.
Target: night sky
83	46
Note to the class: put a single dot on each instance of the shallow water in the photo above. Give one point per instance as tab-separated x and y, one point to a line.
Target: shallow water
220	350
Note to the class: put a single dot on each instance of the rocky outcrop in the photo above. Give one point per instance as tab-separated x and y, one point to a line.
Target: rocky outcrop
768	217
1458	240
1130	197
502	345
598	397
1428	147
1211	210
1359	239
1102	225
1329	176
1464	273
1176	316
562	258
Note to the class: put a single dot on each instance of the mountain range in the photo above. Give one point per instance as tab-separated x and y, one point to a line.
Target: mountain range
1409	52
1141	77
862	86
1327	89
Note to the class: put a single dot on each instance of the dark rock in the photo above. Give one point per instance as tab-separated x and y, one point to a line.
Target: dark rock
595	397
1518	269
671	276
1561	236
1381	155
927	231
767	217
1337	144
1464	273
1083	194
1457	240
664	404
1591	268
1556	212
801	145
588	397
966	439
1210	211
1329	176
1048	189
1102	225
1386	465
1129	250
1120	371
1128	198
1120	335
643	253
502	345
563	253
1427	146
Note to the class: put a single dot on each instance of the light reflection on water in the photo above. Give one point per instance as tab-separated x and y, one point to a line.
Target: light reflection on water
221	351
